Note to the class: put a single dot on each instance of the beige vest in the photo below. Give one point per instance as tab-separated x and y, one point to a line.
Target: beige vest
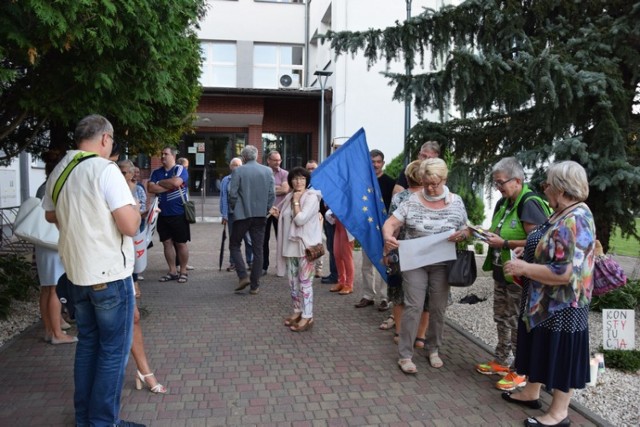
91	247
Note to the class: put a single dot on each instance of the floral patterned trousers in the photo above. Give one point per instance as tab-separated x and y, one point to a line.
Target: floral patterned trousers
300	273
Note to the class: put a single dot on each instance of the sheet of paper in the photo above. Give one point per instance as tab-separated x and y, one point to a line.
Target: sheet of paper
416	253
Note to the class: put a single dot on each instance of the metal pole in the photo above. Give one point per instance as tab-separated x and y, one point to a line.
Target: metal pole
323	76
407	105
321	140
203	191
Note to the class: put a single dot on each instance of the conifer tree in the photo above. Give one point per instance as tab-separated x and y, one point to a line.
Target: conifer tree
543	80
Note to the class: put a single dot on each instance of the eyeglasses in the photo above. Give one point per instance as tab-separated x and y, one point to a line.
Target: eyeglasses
299	178
432	184
500	184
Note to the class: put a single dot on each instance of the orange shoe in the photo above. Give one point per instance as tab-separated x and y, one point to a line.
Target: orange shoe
346	290
336	288
491	368
511	381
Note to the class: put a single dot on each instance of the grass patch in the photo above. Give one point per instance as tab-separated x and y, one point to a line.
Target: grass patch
627	247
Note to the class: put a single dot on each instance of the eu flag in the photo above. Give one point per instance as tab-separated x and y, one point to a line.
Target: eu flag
350	188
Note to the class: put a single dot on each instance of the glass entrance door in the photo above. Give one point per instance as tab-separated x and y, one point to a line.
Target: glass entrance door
209	156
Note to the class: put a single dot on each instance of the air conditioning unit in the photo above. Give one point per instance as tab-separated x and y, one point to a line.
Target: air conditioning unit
289	81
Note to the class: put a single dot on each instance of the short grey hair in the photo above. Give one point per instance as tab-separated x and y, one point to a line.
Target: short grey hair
127	164
509	166
249	152
569	178
236	160
92	126
434	167
431	146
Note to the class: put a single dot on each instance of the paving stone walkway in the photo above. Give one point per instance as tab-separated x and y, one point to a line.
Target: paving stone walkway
228	360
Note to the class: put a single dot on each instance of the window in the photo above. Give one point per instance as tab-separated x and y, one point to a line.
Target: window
218	64
272	62
295	148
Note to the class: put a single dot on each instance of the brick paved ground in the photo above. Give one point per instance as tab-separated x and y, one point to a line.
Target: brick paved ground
227	360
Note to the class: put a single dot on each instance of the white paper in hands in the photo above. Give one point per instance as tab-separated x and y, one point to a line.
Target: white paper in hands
416	253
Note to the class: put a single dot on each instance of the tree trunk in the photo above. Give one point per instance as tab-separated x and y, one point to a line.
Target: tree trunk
59	137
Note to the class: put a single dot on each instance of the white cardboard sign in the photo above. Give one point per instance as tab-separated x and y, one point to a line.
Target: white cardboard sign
618	329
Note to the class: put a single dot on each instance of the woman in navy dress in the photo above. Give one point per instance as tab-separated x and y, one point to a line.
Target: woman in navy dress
553	331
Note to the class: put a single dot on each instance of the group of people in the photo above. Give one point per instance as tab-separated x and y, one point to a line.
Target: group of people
255	198
541	263
541	255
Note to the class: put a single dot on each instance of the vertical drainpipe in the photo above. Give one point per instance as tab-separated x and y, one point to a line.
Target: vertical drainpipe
306	43
24	177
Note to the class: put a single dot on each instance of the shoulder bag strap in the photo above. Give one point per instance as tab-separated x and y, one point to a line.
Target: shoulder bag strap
62	179
179	188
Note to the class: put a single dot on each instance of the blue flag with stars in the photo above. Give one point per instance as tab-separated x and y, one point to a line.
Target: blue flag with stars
350	188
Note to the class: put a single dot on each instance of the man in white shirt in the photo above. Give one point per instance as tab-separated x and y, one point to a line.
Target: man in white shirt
97	217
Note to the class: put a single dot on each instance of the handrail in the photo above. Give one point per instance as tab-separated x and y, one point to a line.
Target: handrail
9	242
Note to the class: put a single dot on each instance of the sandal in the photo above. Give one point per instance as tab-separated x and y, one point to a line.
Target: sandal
419	343
407	366
388	324
183	278
435	361
293	319
169	277
396	338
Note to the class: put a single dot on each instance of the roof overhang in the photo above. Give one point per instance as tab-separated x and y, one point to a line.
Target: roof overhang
247	119
309	92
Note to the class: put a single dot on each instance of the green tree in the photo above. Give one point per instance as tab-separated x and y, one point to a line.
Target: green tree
134	61
542	80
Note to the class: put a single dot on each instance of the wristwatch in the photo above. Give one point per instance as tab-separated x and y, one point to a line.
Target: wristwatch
296	203
505	244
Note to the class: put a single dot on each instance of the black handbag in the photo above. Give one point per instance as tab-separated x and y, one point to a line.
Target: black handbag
462	271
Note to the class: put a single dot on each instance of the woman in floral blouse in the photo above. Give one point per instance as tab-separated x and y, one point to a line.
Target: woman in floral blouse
553	332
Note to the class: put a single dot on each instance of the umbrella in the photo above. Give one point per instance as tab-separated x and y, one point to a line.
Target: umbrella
224	237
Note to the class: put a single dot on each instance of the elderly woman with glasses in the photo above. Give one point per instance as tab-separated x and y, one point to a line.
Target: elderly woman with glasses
431	211
553	331
299	228
516	214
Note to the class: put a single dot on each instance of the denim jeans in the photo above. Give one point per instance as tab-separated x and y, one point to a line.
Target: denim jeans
255	226
104	316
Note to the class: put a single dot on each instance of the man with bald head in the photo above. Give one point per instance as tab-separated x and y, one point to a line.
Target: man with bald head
227	217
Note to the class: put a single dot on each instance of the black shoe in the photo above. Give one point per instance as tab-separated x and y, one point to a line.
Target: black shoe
533	404
384	306
328	280
363	303
130	424
533	422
